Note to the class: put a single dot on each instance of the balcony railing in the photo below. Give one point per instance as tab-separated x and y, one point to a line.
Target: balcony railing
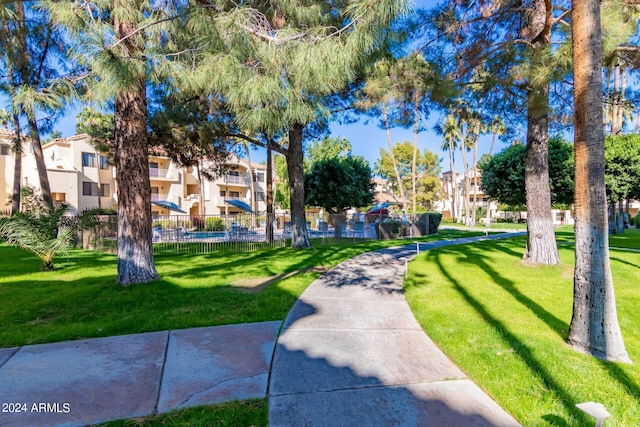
161	173
233	179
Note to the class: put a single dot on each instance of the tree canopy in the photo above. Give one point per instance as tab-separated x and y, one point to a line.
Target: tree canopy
339	183
503	175
427	172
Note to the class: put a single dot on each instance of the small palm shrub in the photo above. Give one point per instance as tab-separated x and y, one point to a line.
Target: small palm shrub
45	231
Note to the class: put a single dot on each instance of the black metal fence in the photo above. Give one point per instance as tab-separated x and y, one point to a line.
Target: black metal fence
247	232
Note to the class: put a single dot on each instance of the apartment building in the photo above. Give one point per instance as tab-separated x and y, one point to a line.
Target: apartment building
84	179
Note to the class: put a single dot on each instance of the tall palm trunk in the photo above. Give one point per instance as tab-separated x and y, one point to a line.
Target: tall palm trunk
594	325
454	186
135	250
17	166
403	198
295	157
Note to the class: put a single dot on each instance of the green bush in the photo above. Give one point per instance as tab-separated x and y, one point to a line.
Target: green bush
214	224
449	220
636	220
435	218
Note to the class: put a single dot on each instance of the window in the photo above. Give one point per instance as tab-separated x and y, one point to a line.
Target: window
59	197
259	195
223	193
89	189
4	150
234	173
89	160
105	190
258	177
153	169
234	194
104	162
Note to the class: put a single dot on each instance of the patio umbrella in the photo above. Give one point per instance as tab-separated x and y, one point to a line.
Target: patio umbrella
168	205
240	204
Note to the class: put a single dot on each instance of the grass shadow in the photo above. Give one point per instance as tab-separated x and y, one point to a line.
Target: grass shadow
519	348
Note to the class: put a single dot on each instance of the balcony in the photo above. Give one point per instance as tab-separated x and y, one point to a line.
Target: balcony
163	174
235	180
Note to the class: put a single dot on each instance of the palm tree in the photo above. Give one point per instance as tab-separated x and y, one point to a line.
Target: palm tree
451	138
42	230
594	325
379	93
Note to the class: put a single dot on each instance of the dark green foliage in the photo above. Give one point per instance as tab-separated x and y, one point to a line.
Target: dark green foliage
100	211
214	224
339	183
622	169
435	218
503	174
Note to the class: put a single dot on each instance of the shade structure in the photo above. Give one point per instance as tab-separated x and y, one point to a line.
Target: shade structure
168	205
379	209
240	204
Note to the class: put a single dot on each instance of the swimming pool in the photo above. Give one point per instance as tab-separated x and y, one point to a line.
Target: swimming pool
207	235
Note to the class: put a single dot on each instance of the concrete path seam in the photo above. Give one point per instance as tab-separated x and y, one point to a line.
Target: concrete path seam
161	379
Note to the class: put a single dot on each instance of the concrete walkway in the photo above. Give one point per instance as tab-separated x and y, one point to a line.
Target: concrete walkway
350	353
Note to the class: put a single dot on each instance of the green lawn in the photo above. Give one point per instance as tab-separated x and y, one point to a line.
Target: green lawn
81	300
510	325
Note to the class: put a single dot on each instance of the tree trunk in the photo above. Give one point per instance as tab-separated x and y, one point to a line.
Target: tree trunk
252	188
414	161
295	156
454	192
17	170
39	157
270	218
594	325
467	182
135	248
23	67
201	208
620	217
393	159
475	181
541	238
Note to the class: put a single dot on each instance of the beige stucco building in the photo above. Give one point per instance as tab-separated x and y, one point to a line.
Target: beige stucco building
84	179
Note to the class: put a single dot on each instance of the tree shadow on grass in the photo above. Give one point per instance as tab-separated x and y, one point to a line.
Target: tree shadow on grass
559	326
518	347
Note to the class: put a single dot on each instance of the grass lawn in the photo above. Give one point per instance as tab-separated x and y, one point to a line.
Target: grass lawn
511	322
247	413
81	300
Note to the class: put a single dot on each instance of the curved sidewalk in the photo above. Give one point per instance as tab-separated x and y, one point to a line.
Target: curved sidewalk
351	353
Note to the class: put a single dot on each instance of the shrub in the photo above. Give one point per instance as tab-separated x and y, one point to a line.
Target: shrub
197	222
100	211
213	224
435	218
636	220
448	220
